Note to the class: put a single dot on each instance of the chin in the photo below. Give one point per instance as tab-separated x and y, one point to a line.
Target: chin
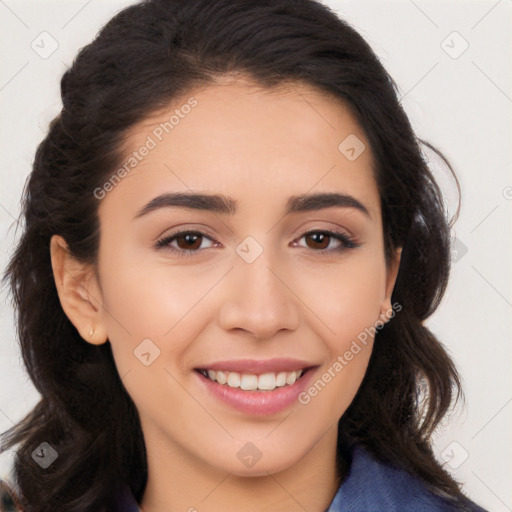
248	461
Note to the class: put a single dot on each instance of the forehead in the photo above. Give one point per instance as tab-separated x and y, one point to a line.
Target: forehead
236	136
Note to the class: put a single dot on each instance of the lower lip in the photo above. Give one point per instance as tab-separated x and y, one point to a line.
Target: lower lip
258	402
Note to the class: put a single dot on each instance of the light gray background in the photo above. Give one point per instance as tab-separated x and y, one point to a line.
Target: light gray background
461	102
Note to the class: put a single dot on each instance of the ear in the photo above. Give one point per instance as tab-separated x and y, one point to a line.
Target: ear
391	275
79	292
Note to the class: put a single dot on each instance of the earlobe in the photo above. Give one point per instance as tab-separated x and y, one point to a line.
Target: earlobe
79	293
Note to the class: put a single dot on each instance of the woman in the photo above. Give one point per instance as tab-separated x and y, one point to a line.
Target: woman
231	244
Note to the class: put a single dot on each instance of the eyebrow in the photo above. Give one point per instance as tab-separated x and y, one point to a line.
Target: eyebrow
221	204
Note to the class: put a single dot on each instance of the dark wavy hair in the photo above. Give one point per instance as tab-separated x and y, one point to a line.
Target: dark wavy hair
145	57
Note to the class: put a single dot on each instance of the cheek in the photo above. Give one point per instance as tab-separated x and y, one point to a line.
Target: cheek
349	307
347	298
155	302
152	321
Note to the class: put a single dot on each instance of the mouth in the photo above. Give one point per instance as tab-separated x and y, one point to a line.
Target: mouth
268	381
255	386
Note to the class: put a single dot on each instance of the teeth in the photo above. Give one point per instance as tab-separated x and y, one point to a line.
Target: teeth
281	379
267	381
291	378
234	380
251	381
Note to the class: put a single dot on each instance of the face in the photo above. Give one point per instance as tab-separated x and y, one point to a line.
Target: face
262	274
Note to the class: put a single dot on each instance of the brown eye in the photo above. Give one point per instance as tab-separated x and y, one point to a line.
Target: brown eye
322	241
189	241
318	240
185	242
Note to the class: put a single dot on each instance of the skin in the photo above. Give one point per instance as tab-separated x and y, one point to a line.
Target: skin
258	147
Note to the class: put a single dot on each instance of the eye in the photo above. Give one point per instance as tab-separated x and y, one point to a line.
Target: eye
188	242
327	241
185	242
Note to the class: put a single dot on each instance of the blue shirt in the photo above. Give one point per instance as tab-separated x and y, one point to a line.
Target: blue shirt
369	486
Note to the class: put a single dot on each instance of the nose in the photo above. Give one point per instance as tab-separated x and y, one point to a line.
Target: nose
259	299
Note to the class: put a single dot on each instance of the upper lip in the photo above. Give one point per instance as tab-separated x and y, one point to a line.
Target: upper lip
258	365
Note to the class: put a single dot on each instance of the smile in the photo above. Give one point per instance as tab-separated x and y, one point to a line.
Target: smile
255	387
251	381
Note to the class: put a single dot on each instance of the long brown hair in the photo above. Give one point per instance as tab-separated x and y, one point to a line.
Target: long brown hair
147	55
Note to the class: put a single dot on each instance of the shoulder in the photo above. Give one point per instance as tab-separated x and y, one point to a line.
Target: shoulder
125	501
373	486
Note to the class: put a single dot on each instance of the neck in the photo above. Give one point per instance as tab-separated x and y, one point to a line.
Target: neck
195	486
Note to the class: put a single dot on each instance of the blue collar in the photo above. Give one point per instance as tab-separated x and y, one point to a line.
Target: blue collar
369	486
373	486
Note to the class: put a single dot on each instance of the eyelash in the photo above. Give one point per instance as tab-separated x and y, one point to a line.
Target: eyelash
347	241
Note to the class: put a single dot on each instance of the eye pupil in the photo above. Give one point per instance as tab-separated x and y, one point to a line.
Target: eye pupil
320	239
190	241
